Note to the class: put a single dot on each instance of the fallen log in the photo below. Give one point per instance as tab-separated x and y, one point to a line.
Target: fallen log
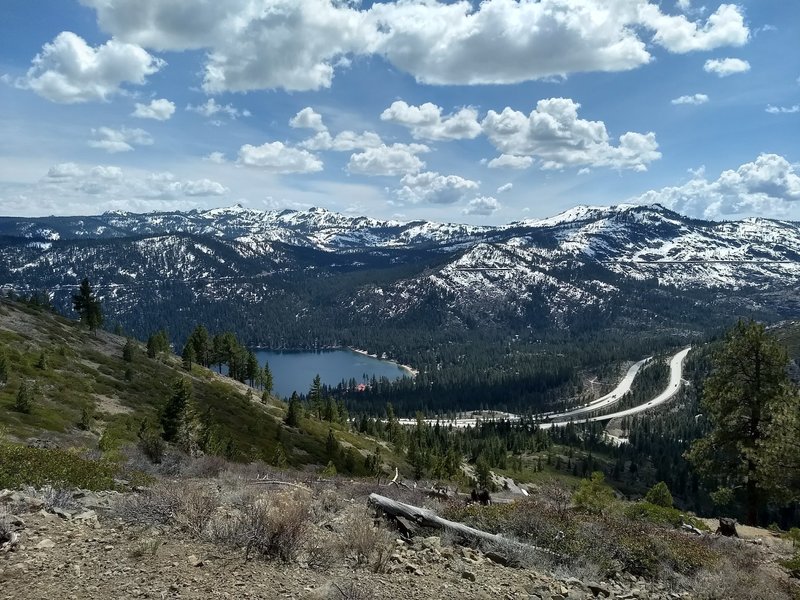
428	518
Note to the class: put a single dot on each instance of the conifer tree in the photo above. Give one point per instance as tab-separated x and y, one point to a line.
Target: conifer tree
174	411
41	362
279	457
331	446
127	350
26	397
202	345
267	379
218	351
88	306
295	411
483	473
315	397
188	356
252	368
748	388
4	367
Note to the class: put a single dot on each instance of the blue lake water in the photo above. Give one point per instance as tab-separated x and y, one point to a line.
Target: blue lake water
294	371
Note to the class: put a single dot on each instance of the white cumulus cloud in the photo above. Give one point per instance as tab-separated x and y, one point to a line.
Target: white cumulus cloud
506	187
723	67
344	141
783	110
68	70
426	121
211	108
482	205
119	140
397	159
510	161
308	118
433	188
279	158
676	33
556	137
298	45
692	99
160	110
768	186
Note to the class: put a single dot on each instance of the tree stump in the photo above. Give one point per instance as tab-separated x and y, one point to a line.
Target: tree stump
727	527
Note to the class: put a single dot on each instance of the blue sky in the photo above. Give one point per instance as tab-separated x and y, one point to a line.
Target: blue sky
417	109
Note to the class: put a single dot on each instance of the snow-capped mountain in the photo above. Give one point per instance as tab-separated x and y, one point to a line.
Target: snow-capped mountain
591	265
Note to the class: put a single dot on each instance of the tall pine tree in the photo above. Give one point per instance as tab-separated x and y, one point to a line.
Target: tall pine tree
88	307
742	397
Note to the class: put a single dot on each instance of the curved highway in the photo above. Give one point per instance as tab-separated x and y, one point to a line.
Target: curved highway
614	396
610	398
674	385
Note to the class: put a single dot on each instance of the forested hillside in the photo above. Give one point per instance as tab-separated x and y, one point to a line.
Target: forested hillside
69	386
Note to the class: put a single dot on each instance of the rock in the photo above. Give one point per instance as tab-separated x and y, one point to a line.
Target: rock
598	590
469	576
87	515
194	561
15	521
60	512
497	558
45	544
432	543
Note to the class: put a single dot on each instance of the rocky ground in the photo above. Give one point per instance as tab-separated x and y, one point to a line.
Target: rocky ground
85	553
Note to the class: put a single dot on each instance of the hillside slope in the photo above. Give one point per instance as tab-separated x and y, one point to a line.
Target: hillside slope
88	396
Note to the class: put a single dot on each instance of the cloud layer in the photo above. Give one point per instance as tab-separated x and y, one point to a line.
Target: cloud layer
768	185
556	137
265	44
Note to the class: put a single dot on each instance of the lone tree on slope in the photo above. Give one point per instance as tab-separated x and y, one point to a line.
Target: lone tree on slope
88	307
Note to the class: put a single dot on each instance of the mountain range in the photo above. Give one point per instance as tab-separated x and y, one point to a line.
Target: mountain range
588	267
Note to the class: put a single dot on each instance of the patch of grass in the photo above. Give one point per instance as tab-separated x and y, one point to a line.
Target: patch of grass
792	565
38	467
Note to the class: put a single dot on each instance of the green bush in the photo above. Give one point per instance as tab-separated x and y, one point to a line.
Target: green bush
793	565
659	495
593	495
20	466
661	515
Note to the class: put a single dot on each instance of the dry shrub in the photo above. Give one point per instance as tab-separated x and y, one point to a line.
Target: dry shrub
205	467
53	497
350	590
158	505
274	526
5	529
366	543
321	552
196	507
327	503
556	496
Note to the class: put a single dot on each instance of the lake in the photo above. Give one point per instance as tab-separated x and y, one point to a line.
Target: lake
294	371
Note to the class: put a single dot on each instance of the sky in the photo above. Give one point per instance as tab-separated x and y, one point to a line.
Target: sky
480	112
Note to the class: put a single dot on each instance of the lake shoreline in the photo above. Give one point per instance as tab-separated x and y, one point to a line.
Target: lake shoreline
410	370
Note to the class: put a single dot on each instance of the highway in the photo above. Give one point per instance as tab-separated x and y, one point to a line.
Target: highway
673	387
